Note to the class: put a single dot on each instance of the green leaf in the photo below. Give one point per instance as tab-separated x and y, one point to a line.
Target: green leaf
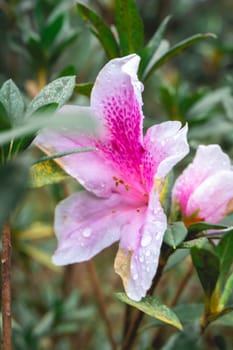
197	242
204	226
150	49
227	292
11	99
207	265
176	50
176	258
36	51
224	250
58	91
61	46
46	173
189	312
4	119
84	89
38	255
80	123
51	31
189	339
38	230
100	30
165	195
13	183
175	234
129	26
207	103
154	308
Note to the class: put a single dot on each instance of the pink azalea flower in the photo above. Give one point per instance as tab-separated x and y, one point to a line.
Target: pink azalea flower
204	191
122	179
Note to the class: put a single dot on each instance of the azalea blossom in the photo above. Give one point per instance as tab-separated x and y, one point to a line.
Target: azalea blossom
204	191
122	179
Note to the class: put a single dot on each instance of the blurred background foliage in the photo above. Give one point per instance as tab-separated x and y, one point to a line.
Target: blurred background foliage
42	40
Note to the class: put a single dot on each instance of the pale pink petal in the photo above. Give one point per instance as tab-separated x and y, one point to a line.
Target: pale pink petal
116	99
141	258
86	224
208	161
89	168
212	197
165	144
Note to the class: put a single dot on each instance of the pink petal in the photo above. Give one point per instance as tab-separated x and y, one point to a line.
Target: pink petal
208	161
89	168
166	144
212	197
143	255
86	224
116	99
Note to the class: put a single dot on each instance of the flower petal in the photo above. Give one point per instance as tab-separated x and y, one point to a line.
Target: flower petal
208	161
165	144
89	168
86	224
139	265
212	197
116	99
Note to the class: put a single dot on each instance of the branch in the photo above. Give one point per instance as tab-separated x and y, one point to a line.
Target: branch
100	301
6	288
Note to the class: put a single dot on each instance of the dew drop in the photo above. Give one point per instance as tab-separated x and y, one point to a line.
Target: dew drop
135	276
146	240
147	253
87	232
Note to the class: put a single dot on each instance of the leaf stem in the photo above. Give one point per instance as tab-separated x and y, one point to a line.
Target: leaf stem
100	301
6	288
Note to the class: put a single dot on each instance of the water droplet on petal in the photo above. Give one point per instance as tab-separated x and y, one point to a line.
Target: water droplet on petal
135	276
147	253
87	232
146	240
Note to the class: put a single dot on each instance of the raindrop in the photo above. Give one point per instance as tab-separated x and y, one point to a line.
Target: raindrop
147	253
135	276
87	232
146	240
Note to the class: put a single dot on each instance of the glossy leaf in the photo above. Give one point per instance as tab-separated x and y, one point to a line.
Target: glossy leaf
178	256
13	183
177	50
154	308
150	49
129	26
101	31
227	292
207	265
51	31
224	250
84	89
58	91
4	119
175	234
204	226
11	99
197	242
